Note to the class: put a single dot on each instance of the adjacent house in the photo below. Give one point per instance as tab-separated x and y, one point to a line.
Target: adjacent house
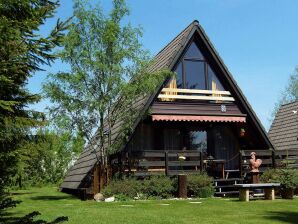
284	135
201	115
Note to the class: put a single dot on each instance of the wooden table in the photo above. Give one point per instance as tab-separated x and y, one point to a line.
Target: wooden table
268	188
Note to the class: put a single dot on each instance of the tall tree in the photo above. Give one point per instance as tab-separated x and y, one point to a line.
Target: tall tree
46	157
22	51
104	53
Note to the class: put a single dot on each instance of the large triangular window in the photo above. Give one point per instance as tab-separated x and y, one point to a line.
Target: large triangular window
194	72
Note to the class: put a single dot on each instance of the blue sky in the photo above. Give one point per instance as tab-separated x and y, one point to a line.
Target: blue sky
257	40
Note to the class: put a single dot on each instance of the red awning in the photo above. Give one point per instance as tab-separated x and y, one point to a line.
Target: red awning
198	118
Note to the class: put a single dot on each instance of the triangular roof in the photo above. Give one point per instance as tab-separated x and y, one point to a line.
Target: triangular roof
284	129
167	59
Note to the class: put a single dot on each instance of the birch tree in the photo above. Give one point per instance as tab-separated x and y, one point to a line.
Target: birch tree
107	73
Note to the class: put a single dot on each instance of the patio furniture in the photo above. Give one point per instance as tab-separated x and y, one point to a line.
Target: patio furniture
268	189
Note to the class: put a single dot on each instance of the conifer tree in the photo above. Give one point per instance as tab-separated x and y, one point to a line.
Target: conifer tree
22	52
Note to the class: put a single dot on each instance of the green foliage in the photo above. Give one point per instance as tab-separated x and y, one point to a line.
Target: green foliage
45	158
153	187
288	178
122	197
270	176
200	185
158	187
290	93
129	187
104	52
22	52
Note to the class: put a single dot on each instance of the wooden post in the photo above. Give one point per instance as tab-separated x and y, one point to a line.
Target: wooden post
166	163
182	186
240	164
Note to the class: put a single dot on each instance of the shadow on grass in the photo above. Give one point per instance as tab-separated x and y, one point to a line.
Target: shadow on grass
31	218
9	220
50	197
285	217
20	193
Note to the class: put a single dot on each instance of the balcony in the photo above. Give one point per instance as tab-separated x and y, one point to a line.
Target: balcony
172	94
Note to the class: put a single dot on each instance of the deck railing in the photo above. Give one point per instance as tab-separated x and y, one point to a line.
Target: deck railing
152	162
146	163
270	159
194	94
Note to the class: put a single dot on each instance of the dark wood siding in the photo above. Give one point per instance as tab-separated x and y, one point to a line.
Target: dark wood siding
195	108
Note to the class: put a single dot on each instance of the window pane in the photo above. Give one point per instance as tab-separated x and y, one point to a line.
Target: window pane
195	74
179	76
214	83
193	52
198	141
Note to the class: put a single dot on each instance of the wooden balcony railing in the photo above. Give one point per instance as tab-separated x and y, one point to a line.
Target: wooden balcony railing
194	94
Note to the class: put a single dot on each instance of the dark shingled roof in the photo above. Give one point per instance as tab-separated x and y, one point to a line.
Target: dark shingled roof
284	129
165	59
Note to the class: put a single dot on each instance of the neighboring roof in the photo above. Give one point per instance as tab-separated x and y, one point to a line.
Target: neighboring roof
165	59
284	129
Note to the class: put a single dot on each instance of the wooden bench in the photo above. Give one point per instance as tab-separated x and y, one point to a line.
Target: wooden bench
268	188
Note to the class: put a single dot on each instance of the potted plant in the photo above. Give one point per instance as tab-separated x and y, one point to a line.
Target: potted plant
288	179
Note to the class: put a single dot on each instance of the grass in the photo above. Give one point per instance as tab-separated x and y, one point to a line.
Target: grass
51	204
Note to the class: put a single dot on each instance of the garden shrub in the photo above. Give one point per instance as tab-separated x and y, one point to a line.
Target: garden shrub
158	186
288	178
153	187
269	176
200	185
129	187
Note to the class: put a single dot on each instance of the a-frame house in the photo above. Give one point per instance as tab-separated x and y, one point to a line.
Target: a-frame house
201	114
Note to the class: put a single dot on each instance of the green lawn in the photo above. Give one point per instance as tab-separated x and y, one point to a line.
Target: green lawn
52	203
